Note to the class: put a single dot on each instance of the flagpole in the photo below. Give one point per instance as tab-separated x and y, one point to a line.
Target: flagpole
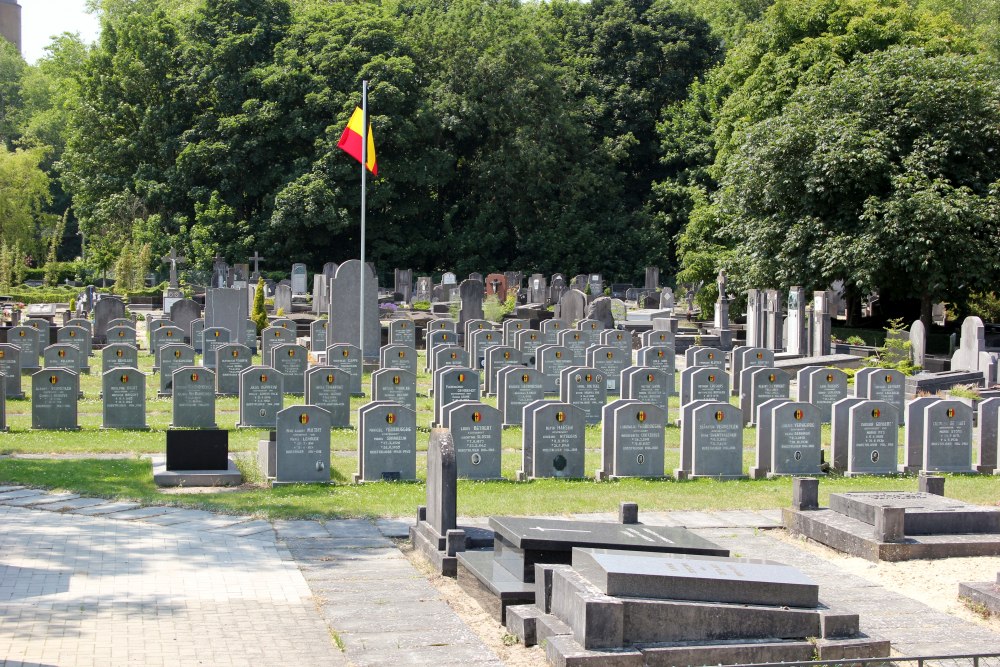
364	164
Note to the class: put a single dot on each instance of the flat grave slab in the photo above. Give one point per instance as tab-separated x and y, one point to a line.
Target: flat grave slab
925	513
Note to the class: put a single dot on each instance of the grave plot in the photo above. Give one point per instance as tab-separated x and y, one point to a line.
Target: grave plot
619	607
517	569
895	526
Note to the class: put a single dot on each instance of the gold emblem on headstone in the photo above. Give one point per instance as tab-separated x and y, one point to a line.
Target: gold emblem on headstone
560	417
390	418
798	414
304	418
719	415
477	416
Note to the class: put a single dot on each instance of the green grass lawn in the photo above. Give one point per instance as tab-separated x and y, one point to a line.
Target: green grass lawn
130	477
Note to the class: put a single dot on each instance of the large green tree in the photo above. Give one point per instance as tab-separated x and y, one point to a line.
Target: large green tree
887	175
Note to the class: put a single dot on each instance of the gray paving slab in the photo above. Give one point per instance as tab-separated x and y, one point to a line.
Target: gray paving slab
8	488
350	528
749	519
18	494
394	528
247	529
43	499
699	519
142	513
71	504
912	627
106	508
292	529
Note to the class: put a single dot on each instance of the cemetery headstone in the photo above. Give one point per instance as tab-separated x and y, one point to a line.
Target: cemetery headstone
552	360
119	355
517	386
403	284
183	313
795	438
395	386
196	334
317	335
633	439
577	343
194	397
26	340
527	341
403	332
947	437
387	442
227	309
170	358
298	280
291	360
330	388
498	358
302	445
988	420
43	327
659	337
716	441
54	395
496	285
873	439
882	384
553	440
261	397
77	337
166	334
213	338
646	384
476	430
449	355
585	388
283	299
705	357
10	367
62	356
230	360
347	358
482	339
250	335
611	362
537	289
510	330
107	309
572	305
398	356
453	383
120	334
471	296
840	431
822	387
704	384
760	384
747	357
271	337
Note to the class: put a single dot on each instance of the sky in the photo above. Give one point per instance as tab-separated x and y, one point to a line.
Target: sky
41	19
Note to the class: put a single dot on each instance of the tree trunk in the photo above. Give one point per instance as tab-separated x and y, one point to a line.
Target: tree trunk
926	311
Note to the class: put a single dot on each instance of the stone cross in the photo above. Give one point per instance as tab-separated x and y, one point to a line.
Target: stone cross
256	264
174	260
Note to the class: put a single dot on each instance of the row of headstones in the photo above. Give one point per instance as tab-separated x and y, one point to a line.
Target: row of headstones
805	330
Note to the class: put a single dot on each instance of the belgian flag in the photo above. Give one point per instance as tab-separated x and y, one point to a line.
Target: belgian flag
350	140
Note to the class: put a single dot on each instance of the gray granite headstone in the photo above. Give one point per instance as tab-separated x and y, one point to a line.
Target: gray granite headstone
227	309
453	383
481	340
10	367
444	356
550	330
947	437
121	334
471	295
882	384
250	335
795	439
194	397
283	299
527	341
183	313
476	430
170	358
553	440
399	356
764	420
823	388
387	442
516	388
913	434
661	357
119	355
347	358
637	439
261	397
442	324
299	276
75	336
62	356
291	360
746	357
716	441
510	330
212	339
552	360
586	388
403	332
3	405
271	337
618	339
196	335
704	384
840	431
658	337
434	339
302	445
576	342
646	384
498	358
285	323
330	388
26	340
989	419
230	360
873	439
107	309
572	305
759	384
54	395
166	334
611	361
403	284
43	327
395	386
705	357
317	335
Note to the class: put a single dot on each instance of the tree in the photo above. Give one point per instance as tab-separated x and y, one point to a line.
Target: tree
24	194
51	268
258	313
887	175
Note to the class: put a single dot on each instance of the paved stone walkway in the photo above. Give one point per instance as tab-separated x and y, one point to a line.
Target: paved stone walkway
86	581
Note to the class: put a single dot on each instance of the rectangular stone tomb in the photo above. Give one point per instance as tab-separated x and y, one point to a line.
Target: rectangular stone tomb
476	431
585	388
517	387
553	440
387	442
347	358
194	398
261	397
924	513
54	396
696	578
520	542
396	386
124	399
453	383
302	445
119	355
230	360
291	360
330	388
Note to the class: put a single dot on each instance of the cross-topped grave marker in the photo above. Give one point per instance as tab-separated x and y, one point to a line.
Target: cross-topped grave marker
174	259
